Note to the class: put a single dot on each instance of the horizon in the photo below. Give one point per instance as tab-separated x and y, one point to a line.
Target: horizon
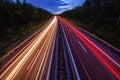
56	6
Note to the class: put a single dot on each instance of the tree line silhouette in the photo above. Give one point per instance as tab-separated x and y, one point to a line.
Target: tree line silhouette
18	19
100	17
97	11
15	15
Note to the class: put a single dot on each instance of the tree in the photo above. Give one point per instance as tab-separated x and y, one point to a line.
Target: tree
18	2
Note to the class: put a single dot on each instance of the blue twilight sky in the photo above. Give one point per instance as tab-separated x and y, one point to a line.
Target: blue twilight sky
56	6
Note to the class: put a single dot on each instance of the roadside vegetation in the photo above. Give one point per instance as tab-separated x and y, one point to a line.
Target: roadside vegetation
101	19
17	20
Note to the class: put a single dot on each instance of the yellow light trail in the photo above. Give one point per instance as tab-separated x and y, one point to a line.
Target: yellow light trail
26	54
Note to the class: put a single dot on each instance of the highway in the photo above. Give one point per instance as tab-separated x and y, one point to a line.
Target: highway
61	51
32	62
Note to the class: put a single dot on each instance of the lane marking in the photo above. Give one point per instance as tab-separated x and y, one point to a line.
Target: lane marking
73	62
82	46
101	50
65	57
77	32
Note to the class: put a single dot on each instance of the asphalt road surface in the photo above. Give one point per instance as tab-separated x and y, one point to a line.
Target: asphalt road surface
61	52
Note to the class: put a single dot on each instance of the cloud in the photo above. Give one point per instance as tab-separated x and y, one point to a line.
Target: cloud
56	6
